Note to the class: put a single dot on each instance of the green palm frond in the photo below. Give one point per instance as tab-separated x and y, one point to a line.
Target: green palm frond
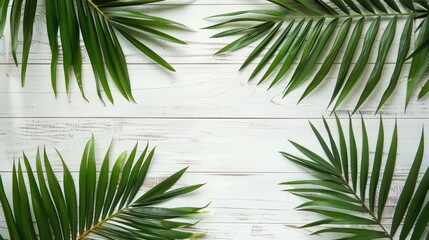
4	4
106	206
351	197
98	23
312	31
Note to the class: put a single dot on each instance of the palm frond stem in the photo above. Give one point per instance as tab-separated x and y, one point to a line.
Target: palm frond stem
105	206
94	21
97	9
322	45
368	211
342	200
406	14
89	231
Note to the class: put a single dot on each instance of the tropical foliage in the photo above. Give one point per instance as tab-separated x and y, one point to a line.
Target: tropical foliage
340	191
98	23
107	206
326	31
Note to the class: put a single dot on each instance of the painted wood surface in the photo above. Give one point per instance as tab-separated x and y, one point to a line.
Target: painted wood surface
205	116
204	85
237	158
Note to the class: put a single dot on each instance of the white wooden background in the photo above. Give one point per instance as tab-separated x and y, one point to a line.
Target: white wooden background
205	116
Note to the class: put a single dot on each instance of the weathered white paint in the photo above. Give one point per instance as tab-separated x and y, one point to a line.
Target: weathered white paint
200	47
207	146
205	116
204	86
237	158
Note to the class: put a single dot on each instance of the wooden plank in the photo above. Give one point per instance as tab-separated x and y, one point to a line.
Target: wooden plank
200	2
207	91
205	116
200	48
254	231
242	198
206	146
234	231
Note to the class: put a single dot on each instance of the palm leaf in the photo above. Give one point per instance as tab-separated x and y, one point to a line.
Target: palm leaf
98	23
333	25
346	208
105	206
4	4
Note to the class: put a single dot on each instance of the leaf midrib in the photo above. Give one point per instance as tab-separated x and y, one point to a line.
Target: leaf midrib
97	8
368	211
415	14
98	224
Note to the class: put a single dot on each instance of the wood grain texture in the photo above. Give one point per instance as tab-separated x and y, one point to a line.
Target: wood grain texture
195	91
200	47
207	146
204	86
227	192
233	231
205	116
236	158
